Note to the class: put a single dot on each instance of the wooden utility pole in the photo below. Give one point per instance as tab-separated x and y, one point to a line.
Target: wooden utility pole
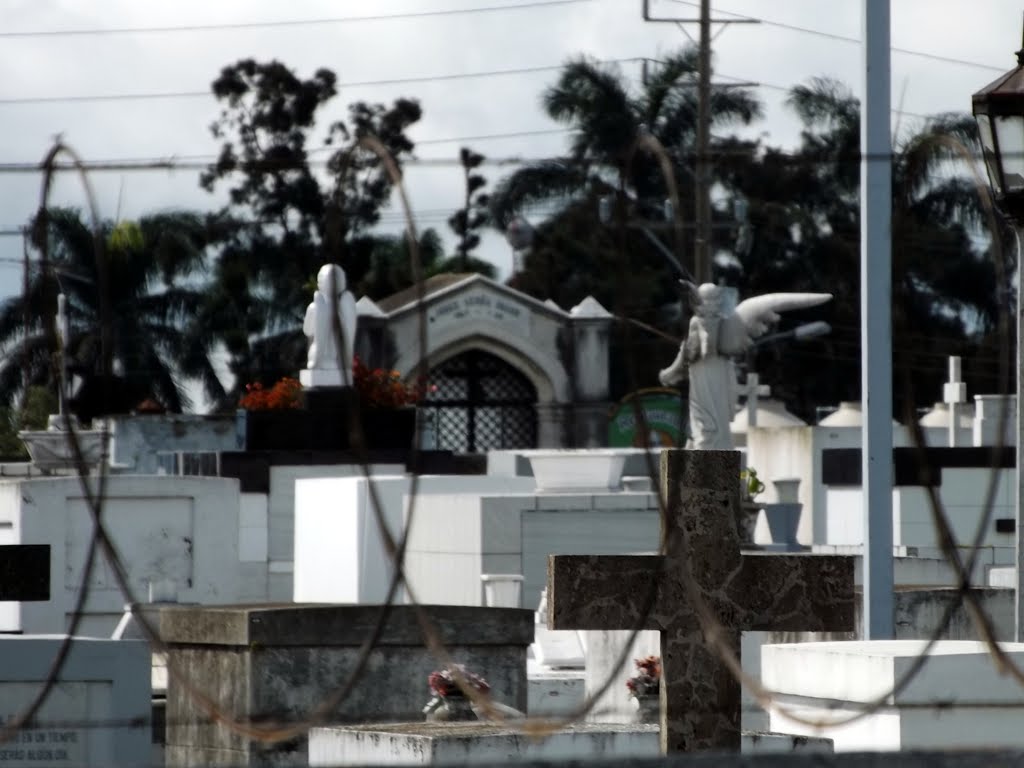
702	172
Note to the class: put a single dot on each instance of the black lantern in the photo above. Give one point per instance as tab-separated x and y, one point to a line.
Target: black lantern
999	110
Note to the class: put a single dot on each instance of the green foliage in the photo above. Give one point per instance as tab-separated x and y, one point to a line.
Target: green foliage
34	414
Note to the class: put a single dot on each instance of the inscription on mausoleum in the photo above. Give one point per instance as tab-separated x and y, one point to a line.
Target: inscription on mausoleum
479	305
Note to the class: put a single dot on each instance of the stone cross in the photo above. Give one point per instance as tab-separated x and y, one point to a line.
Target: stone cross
753	390
954	392
700	698
25	572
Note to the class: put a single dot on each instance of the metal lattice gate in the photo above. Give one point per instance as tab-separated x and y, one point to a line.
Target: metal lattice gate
478	402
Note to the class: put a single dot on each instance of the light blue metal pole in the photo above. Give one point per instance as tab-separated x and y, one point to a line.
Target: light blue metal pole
876	322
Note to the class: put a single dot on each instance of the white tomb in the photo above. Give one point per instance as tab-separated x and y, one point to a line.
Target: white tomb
189	533
339	551
957	701
97	714
962	494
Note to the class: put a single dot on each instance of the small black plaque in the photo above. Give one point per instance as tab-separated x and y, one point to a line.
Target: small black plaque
25	572
1006	525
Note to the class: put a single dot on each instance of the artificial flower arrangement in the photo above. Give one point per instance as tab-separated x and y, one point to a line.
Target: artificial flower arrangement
648	679
442	682
285	394
448	700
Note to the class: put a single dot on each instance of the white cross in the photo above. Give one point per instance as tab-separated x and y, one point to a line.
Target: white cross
954	392
753	389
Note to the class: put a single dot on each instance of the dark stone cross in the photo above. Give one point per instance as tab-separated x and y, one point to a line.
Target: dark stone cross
25	572
700	697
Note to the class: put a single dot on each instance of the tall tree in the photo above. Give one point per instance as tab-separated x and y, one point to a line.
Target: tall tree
284	220
153	294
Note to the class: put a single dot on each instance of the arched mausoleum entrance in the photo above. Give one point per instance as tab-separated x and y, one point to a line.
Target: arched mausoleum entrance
510	371
478	402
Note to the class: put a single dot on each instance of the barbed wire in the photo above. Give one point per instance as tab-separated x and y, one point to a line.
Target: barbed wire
321	712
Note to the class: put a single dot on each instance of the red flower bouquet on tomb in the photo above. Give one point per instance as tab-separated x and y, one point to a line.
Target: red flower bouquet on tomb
442	682
648	681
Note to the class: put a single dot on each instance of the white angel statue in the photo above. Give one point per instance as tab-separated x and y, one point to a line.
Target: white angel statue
332	303
713	339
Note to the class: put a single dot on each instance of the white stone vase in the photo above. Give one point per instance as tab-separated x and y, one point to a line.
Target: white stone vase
578	470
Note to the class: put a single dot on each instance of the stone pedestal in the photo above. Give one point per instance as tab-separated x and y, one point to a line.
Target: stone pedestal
267	663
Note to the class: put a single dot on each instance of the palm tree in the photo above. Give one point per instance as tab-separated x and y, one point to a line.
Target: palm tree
153	293
607	119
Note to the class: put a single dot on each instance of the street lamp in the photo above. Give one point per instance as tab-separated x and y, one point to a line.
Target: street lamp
999	110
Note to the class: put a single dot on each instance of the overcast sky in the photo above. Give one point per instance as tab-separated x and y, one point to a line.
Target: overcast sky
437	51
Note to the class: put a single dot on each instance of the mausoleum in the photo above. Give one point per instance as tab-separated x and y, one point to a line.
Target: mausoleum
507	370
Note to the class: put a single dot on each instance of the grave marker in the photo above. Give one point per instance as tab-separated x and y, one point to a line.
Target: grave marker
25	572
700	698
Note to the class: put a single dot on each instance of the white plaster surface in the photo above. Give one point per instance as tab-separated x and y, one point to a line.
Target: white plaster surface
958	699
185	529
340	554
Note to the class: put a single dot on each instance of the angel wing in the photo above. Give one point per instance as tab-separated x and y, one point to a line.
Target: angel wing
753	316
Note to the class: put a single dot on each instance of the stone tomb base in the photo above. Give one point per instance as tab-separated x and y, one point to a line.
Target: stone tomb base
958	700
487	743
101	681
279	662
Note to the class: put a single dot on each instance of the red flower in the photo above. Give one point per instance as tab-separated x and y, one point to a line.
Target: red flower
378	388
287	393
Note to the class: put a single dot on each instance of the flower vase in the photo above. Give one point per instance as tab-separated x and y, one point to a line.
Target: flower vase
746	521
648	708
453	709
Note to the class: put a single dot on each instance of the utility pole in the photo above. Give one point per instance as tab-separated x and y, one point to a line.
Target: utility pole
702	171
702	193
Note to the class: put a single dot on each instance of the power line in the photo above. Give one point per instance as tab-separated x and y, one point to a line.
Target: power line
847	39
282	23
154	95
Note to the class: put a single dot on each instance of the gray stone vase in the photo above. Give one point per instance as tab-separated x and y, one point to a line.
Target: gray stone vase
747	521
451	709
648	708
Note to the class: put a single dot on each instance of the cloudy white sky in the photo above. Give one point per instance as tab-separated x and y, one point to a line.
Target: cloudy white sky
96	72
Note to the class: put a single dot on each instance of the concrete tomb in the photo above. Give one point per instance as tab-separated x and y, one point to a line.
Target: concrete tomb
96	714
487	743
279	663
959	699
700	698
